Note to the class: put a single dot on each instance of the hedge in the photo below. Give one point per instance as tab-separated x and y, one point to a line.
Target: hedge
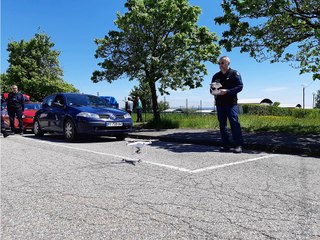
264	110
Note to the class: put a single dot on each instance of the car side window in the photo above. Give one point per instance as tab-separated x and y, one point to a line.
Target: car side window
59	100
48	101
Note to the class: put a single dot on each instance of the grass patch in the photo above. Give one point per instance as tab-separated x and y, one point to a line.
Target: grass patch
286	124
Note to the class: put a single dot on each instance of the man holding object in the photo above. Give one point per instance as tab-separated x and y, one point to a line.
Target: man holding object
15	107
230	83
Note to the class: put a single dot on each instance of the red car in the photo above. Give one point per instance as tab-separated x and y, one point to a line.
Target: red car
30	109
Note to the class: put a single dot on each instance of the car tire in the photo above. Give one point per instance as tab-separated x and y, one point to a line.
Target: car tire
37	129
69	130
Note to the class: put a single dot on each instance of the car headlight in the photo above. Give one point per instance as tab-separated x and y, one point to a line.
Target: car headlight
127	115
88	115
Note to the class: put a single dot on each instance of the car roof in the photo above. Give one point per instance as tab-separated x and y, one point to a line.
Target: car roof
71	93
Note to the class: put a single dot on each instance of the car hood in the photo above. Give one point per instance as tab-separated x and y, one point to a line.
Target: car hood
30	112
100	110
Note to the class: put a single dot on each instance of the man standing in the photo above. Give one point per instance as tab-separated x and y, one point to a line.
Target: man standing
224	86
15	107
129	105
139	110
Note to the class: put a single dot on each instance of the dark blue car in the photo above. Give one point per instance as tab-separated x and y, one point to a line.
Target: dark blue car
75	114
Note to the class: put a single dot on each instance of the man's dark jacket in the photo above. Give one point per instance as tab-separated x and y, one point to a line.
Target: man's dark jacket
231	81
15	101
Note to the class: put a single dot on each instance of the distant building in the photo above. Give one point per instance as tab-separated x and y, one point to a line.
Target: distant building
173	110
206	111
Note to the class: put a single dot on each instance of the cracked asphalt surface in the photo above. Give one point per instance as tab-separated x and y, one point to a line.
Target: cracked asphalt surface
56	190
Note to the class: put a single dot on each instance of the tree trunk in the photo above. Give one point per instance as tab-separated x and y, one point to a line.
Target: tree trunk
155	107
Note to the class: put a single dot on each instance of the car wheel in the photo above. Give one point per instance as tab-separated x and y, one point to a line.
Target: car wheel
121	137
37	129
69	131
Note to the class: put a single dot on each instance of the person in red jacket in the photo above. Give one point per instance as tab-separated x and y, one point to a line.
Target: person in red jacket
15	106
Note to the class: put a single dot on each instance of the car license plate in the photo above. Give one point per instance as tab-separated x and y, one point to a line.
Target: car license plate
114	124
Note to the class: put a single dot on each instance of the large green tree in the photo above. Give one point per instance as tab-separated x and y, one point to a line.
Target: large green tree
160	44
278	30
34	67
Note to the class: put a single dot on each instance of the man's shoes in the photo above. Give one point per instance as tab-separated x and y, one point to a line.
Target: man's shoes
237	149
224	149
4	133
21	133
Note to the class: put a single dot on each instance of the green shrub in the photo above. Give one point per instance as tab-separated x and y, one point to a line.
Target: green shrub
263	110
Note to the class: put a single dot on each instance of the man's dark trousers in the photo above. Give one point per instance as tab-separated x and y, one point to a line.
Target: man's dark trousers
13	112
231	113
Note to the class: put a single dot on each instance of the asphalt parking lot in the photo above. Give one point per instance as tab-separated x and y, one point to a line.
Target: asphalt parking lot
95	189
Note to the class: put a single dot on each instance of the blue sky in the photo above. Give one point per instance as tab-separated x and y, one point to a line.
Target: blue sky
73	26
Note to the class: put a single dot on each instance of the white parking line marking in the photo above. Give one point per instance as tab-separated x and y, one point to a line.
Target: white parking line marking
233	163
169	166
160	164
85	150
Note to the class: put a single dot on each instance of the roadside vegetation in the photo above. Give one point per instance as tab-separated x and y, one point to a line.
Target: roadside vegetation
304	124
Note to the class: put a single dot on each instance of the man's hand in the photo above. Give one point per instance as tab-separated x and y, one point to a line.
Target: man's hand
222	91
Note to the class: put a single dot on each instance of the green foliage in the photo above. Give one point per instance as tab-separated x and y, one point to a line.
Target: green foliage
163	105
157	42
182	120
285	124
308	124
163	124
4	85
269	29
276	104
34	67
143	91
261	110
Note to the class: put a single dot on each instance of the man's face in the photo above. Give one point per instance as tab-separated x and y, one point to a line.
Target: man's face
223	65
15	89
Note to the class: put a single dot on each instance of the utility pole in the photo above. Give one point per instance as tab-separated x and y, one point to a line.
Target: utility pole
186	104
313	100
303	95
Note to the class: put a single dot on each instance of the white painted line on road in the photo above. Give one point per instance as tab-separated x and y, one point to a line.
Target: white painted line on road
211	167
160	164
233	163
169	166
85	150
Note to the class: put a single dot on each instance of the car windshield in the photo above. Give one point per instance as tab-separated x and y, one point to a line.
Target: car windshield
32	106
85	100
